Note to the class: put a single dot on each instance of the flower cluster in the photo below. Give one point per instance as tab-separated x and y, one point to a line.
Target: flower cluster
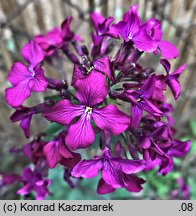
104	78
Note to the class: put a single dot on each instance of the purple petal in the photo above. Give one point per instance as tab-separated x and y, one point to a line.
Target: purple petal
129	166
65	29
16	95
54	37
162	133
166	65
153	28
144	142
97	45
26	189
158	91
150	108
132	10
42	190
20	113
166	165
55	151
133	183
133	21
147	88
63	112
132	95
145	42
104	188
100	23
146	156
110	118
112	175
121	29
87	168
103	65
25	125
80	134
178	71
179	148
151	164
34	150
52	154
27	174
10	179
97	41
33	182
39	82
78	73
134	24
63	150
71	162
175	87
32	53
18	73
173	82
136	115
42	40
168	50
105	26
96	19
91	90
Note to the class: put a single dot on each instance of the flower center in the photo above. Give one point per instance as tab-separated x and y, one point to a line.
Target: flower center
86	64
88	70
130	37
138	99
31	70
88	110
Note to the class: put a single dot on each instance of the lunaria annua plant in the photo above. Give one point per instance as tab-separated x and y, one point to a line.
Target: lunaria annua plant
104	78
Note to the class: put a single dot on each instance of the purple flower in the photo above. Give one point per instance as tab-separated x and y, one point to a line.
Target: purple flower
179	148
153	28
26	78
130	29
102	45
56	152
102	38
50	41
182	192
33	181
132	183
34	150
158	149
141	101
162	155
172	79
101	24
123	56
6	179
89	107
57	38
23	114
90	92
115	172
159	88
101	65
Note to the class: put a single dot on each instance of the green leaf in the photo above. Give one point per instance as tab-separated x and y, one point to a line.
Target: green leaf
53	97
193	127
59	189
52	130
